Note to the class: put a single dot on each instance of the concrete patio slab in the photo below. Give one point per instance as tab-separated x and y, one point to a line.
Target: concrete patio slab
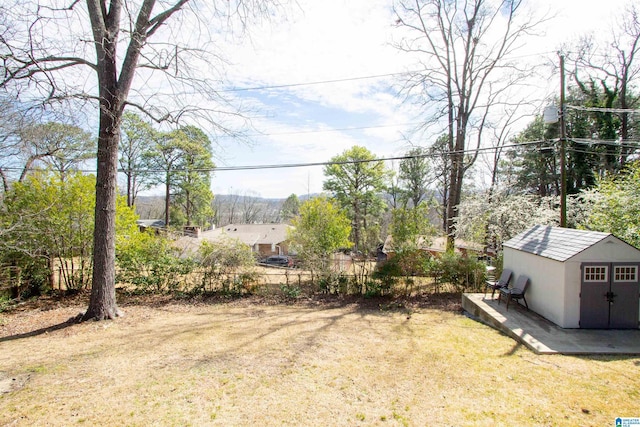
543	337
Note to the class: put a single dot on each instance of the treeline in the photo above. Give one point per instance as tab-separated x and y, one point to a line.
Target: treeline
179	161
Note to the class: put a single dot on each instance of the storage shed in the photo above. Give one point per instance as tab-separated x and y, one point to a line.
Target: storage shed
579	279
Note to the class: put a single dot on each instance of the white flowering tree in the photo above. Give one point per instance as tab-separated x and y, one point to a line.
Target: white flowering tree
506	216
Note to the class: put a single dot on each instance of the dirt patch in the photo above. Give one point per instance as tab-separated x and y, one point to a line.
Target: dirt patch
10	383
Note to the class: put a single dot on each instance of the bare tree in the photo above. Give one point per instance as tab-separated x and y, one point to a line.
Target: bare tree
616	67
227	210
25	144
93	51
11	147
441	165
501	135
394	193
251	207
59	145
464	49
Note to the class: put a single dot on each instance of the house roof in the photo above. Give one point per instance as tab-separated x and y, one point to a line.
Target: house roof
556	243
433	244
157	223
250	234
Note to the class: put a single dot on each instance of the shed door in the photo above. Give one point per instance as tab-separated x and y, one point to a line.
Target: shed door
594	307
625	290
609	295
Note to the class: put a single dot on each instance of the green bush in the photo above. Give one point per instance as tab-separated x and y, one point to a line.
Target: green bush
30	274
227	266
376	288
291	291
402	268
464	272
150	264
386	276
34	278
5	302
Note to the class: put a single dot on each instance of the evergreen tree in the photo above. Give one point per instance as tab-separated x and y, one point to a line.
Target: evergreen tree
355	180
290	208
415	176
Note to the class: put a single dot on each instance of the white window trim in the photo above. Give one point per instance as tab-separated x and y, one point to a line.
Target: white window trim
591	267
635	273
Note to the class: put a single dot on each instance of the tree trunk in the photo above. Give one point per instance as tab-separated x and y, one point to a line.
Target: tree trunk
129	189
356	223
455	186
167	198
102	304
454	200
52	273
624	124
187	207
5	183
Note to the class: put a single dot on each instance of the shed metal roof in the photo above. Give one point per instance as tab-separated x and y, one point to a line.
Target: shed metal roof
559	244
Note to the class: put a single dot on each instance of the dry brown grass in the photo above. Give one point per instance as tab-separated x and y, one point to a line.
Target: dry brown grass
313	364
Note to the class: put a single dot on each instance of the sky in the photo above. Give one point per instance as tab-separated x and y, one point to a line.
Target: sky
347	45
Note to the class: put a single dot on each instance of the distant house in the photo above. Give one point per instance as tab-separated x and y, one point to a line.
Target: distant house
579	279
432	245
155	224
263	239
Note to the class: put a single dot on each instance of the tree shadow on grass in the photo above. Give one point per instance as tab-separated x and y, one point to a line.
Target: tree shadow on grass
69	322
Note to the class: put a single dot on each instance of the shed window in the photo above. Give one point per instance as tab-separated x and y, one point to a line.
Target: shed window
595	274
627	273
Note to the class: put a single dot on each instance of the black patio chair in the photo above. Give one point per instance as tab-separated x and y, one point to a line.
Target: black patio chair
496	285
516	292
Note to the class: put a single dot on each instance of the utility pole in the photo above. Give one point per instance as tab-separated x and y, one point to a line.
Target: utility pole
563	139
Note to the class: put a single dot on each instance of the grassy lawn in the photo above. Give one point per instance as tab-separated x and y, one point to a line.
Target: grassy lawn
245	364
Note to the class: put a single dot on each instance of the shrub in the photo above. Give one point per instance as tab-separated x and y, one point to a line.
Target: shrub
5	302
150	264
404	265
387	274
227	267
291	291
375	288
464	272
31	275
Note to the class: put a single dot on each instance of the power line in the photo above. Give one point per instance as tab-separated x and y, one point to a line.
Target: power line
313	164
379	159
328	163
347	129
349	79
623	144
602	110
319	82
